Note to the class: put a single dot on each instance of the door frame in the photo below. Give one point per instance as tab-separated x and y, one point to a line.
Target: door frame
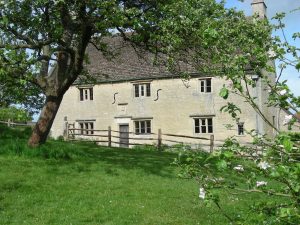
123	144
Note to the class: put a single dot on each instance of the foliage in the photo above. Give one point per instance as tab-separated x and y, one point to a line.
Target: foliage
43	43
19	91
8	133
14	114
151	148
288	56
268	167
36	35
203	34
295	136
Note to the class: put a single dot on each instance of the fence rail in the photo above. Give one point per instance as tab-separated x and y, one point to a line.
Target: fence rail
185	136
9	123
125	138
160	138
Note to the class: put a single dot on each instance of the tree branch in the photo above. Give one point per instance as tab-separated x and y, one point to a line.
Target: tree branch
263	192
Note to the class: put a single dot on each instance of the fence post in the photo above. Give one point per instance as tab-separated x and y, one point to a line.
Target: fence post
109	136
8	122
67	131
212	137
159	140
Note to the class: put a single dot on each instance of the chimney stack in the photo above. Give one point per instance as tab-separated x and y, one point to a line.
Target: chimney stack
259	7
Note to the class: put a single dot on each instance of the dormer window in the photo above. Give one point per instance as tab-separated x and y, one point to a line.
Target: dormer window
142	90
86	94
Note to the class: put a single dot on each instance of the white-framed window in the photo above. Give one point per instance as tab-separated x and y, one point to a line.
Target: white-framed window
203	125
86	127
142	90
142	127
240	128
205	85
86	94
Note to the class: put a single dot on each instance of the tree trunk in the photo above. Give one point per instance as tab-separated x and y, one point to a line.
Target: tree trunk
42	128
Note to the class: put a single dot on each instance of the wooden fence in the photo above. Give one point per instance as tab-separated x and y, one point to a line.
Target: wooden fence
158	139
110	137
10	123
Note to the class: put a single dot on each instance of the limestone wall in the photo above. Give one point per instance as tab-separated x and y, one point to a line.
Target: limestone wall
172	110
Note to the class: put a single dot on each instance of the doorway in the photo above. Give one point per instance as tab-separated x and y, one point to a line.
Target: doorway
124	135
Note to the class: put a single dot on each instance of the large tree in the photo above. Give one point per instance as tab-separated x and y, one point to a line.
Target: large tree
41	33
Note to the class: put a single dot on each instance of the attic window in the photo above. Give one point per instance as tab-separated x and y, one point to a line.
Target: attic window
142	90
205	85
86	94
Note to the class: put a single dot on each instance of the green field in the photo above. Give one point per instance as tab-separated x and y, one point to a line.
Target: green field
67	183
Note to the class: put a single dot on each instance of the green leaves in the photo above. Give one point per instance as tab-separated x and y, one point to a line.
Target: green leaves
232	109
297	66
4	20
288	145
221	165
211	33
224	93
14	114
286	142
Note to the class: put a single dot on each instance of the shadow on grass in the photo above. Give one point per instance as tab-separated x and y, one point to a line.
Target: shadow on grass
10	186
151	162
13	142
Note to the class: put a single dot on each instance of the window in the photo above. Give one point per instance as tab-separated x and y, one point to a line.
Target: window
240	128
86	94
142	127
205	85
142	90
203	125
86	127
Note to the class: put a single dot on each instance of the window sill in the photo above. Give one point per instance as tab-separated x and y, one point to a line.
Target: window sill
143	134
144	97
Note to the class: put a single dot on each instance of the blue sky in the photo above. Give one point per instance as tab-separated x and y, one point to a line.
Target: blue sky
291	21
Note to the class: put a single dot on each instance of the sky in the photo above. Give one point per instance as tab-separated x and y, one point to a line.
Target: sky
292	22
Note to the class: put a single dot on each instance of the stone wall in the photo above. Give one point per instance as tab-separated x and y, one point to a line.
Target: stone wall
172	107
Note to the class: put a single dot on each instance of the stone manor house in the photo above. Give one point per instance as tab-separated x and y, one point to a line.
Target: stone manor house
134	97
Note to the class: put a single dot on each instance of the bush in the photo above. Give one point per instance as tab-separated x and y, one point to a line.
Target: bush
295	136
14	114
17	132
145	148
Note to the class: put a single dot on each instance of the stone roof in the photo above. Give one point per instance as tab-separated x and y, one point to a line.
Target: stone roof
124	62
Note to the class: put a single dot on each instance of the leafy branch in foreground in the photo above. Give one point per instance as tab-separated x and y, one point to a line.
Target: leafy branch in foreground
269	167
271	170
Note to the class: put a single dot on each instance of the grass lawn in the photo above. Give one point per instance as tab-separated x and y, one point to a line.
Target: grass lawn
67	183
